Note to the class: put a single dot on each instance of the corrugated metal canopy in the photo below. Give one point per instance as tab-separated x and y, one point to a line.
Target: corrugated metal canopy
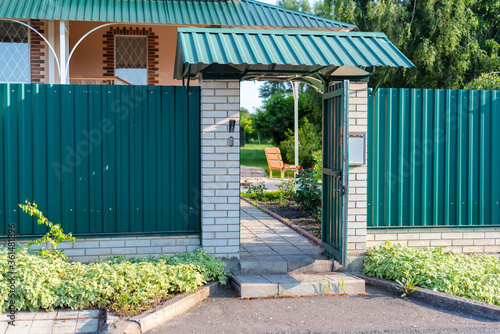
199	12
278	54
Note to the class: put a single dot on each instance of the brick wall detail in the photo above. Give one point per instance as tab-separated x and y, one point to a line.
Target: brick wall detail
37	52
462	240
98	249
153	51
220	168
357	205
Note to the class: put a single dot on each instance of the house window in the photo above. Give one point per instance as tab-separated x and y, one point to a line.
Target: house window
131	56
14	53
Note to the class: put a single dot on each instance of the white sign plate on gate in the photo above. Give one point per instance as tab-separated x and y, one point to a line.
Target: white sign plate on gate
357	149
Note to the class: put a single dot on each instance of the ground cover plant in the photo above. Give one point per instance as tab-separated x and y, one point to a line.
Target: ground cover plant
45	279
476	277
127	287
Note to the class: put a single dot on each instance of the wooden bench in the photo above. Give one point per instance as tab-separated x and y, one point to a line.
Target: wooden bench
274	160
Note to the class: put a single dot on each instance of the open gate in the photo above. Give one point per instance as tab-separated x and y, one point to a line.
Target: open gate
335	170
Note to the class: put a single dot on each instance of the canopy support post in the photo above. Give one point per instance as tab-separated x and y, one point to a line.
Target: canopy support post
295	87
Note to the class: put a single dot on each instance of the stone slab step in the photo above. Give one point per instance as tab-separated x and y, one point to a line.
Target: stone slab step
252	286
246	171
299	265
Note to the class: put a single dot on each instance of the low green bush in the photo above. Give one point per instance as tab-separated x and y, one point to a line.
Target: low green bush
264	196
476	277
45	281
308	193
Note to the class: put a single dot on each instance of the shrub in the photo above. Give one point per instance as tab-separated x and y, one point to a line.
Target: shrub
256	190
318	164
309	142
287	191
476	277
265	196
308	192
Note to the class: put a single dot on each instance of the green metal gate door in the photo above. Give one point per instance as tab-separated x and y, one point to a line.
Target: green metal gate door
335	171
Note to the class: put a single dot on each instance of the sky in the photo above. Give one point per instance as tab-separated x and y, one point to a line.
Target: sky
249	90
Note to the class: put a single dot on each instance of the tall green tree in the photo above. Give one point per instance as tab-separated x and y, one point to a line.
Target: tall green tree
277	115
450	41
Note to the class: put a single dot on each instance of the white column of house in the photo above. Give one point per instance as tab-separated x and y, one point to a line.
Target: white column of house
357	211
220	167
64	51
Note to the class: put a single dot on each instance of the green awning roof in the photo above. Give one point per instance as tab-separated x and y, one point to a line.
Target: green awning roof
278	54
198	12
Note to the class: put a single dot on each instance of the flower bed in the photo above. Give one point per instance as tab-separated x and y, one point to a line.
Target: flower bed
126	287
476	277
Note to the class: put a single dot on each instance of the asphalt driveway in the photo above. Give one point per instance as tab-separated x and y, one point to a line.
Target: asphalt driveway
378	312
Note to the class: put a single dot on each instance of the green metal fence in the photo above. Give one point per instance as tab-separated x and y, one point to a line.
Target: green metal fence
433	158
101	160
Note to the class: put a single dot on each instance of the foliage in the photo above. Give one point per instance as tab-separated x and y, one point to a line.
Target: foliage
407	286
476	277
53	237
277	115
489	81
258	190
318	164
125	287
287	191
269	196
299	5
308	192
247	120
309	142
450	41
269	88
212	268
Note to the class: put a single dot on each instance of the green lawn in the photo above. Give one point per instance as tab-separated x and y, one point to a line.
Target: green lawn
254	155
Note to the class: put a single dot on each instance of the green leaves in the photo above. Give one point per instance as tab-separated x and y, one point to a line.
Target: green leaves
54	236
126	287
476	277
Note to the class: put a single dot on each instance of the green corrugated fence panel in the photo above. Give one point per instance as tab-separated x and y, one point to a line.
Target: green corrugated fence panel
433	158
101	160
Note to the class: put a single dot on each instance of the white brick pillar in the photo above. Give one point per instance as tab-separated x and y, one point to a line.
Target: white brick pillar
220	168
357	211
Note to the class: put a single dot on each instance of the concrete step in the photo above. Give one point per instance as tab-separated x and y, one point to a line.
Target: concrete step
246	171
299	265
251	286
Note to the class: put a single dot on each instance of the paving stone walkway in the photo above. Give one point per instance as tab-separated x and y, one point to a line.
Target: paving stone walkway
265	239
57	322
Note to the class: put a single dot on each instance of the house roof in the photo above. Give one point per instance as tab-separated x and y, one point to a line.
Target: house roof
199	12
273	54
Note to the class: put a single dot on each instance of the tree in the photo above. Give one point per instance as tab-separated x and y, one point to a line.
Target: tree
247	120
277	115
268	88
489	81
450	41
298	5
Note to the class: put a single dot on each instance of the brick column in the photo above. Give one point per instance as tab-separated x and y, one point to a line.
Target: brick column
357	219
220	168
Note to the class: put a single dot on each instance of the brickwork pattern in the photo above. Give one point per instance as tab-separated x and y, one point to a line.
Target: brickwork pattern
357	215
153	51
220	168
462	240
98	249
37	52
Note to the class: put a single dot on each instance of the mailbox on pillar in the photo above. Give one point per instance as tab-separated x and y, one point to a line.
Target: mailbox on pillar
357	149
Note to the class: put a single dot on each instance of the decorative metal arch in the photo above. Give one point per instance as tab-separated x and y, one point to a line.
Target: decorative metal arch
43	37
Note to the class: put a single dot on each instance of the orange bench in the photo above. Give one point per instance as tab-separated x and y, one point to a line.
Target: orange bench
274	160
